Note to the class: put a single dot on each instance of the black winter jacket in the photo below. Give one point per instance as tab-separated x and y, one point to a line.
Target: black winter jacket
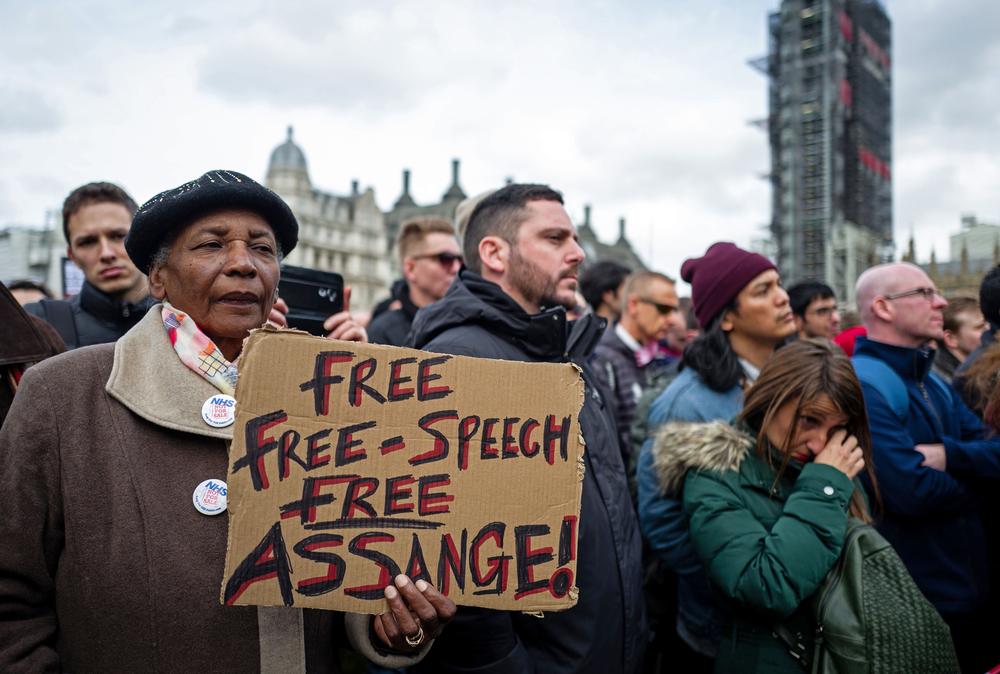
616	368
605	632
90	317
393	326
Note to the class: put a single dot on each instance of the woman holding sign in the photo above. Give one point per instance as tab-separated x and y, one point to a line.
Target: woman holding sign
112	469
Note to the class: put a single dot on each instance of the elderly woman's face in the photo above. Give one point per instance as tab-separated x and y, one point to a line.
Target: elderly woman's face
222	271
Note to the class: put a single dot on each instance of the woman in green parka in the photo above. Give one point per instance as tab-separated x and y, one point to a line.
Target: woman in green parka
768	497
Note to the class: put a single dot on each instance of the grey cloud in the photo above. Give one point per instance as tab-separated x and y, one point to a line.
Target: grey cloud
24	110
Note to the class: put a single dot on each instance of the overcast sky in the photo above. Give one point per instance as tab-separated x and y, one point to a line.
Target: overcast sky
639	108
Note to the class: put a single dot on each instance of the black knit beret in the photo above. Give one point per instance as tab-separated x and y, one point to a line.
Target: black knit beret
170	211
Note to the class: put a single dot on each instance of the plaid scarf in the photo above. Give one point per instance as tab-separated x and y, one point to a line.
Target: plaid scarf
197	351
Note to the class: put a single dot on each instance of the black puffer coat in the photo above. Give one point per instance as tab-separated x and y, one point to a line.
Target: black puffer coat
605	633
91	316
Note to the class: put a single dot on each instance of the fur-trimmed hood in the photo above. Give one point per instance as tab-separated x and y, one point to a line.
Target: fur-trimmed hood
680	447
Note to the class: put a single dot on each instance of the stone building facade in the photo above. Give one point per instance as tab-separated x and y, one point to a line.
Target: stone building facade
341	233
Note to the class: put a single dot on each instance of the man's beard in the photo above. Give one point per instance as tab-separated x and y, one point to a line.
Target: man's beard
535	285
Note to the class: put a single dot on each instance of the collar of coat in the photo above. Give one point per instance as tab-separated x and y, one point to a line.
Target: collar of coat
680	447
908	362
151	381
716	446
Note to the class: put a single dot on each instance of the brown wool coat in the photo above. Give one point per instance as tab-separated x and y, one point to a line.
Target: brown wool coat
105	565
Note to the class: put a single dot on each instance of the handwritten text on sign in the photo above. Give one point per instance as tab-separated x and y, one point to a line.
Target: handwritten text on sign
352	463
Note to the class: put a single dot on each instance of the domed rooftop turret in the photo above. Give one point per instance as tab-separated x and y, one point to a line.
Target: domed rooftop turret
288	155
287	172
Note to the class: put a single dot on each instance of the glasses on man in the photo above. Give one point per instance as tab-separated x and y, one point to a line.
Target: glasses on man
927	293
446	260
662	309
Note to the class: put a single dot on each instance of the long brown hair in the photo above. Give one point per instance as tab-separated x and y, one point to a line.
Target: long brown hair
981	384
804	372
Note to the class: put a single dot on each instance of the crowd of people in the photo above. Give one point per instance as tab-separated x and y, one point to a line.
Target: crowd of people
742	447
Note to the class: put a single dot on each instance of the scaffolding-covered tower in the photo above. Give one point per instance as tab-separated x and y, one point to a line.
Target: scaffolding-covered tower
830	129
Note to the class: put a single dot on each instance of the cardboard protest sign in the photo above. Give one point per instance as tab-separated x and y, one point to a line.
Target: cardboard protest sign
351	463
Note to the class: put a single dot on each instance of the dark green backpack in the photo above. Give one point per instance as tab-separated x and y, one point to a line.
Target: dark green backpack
871	617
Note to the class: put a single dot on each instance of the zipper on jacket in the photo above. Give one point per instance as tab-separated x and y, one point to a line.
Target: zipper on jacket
930	405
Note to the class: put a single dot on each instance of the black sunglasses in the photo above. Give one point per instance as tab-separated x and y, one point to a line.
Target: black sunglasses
446	260
662	309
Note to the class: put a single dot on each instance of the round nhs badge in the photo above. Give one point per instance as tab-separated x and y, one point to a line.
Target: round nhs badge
219	411
210	497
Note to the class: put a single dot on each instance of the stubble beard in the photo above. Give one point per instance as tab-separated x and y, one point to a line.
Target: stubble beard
534	284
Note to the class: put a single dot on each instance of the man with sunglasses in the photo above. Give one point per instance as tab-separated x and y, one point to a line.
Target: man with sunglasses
930	452
649	301
429	258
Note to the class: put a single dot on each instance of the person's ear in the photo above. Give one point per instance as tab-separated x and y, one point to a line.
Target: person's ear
408	264
156	283
800	322
494	254
950	339
69	254
632	305
882	310
727	321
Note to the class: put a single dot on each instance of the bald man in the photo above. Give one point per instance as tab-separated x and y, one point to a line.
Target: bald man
929	451
648	306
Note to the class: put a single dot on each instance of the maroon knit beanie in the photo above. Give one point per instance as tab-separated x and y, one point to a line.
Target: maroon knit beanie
719	276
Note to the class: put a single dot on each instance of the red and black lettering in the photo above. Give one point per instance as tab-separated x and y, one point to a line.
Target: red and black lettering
308	548
467	428
257	447
528	448
528	558
508	447
305	508
346	442
487	444
440	449
567	539
315	447
387	567
396	380
286	451
268	560
498	566
360	373
433	503
323	380
395	491
359	489
553	433
424	378
451	560
416	567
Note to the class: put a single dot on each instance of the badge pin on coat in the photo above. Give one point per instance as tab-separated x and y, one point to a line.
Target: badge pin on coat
219	411
210	497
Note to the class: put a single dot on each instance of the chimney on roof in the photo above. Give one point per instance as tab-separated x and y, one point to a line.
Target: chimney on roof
621	229
509	180
586	215
354	188
454	192
405	199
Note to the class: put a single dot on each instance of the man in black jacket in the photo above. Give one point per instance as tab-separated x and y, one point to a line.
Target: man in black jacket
510	303
96	220
429	258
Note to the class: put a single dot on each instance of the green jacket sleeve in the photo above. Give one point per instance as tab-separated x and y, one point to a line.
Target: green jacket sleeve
771	571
